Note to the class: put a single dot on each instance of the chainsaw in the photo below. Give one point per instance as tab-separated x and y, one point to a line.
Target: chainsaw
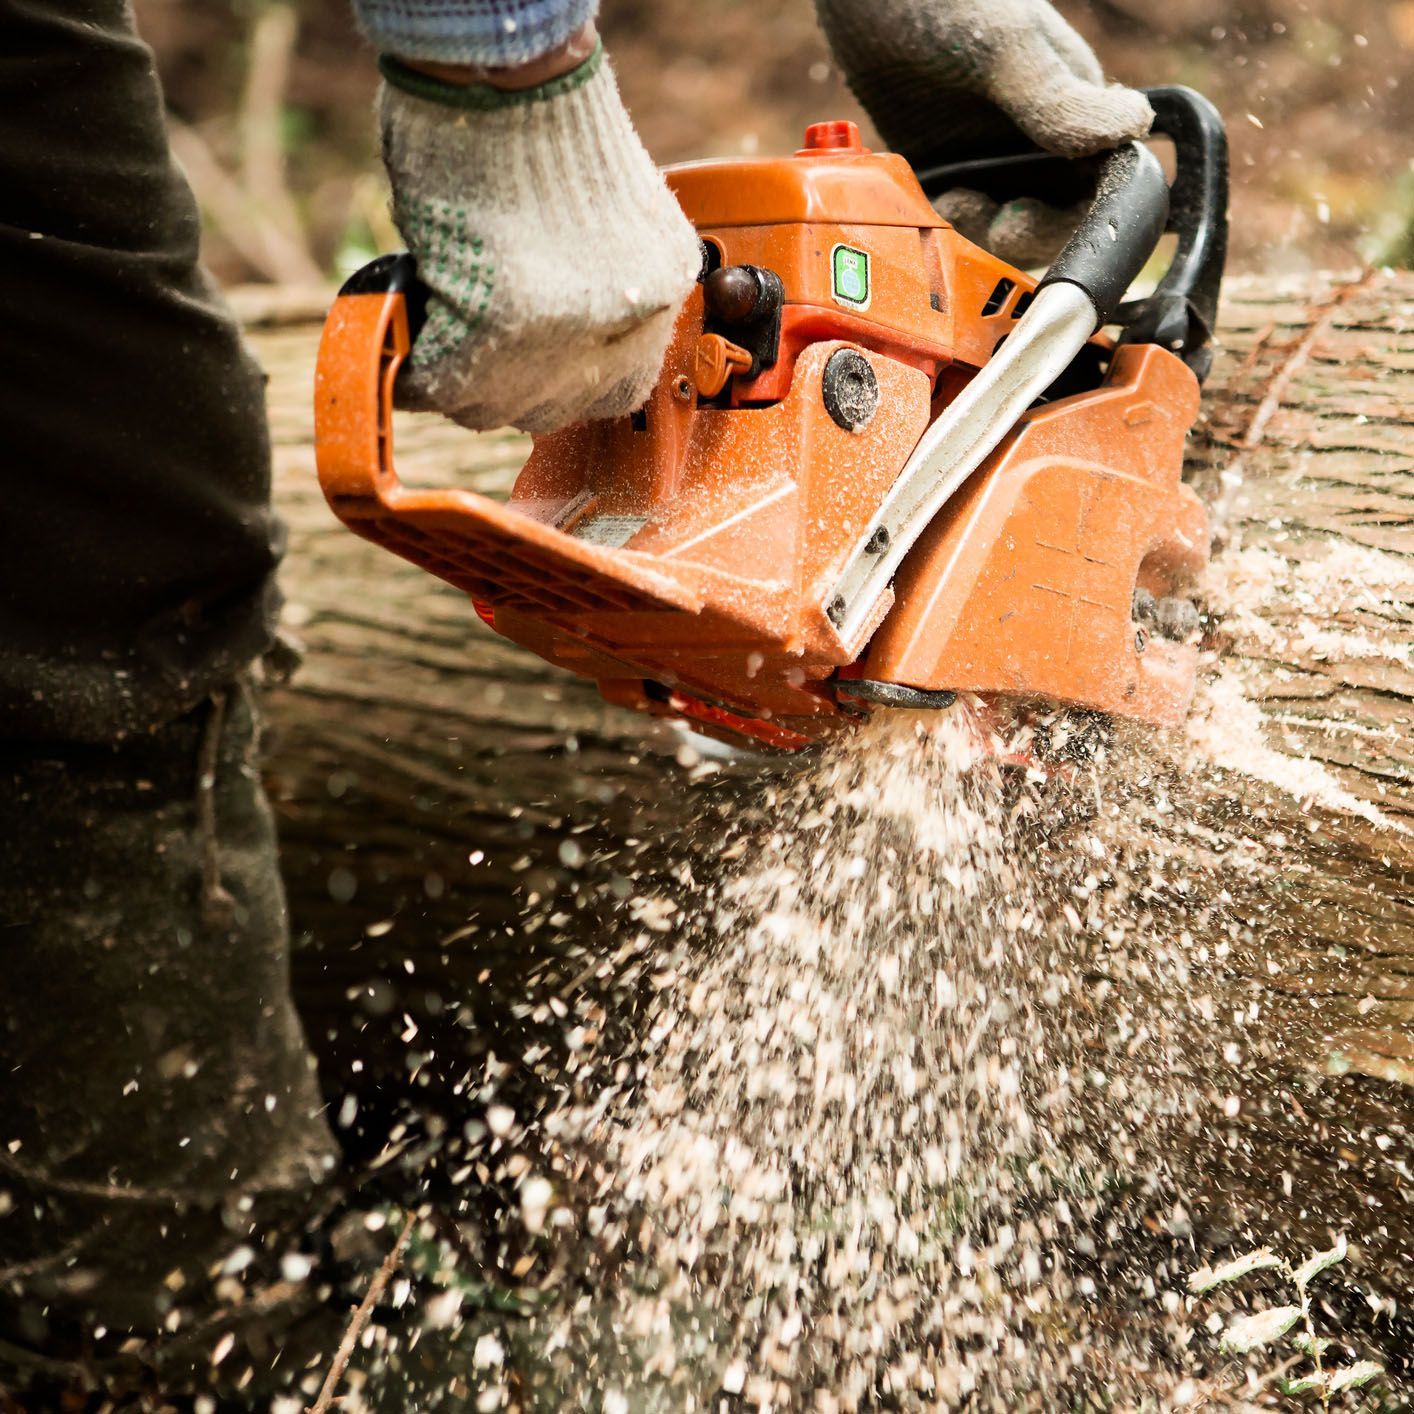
880	467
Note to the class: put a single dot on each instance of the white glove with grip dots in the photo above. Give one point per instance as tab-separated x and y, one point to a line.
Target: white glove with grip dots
555	255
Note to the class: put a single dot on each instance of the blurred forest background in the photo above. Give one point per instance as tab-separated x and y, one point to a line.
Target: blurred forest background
270	102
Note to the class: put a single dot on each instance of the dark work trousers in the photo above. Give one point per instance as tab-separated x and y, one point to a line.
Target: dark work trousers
137	546
157	1100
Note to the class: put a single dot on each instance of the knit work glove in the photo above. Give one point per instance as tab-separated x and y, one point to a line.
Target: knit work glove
555	256
953	80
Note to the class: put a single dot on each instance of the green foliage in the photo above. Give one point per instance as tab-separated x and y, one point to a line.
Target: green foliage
1400	251
1354	1376
1313	1266
1391	239
1303	1384
298	127
1248	1333
1210	1277
1292	1323
433	1260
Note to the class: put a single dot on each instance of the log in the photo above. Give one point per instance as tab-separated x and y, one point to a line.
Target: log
461	822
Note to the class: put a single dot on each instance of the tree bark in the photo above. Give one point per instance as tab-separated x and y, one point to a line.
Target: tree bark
459	819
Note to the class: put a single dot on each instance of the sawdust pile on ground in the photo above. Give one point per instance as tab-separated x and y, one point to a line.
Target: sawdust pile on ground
869	1145
1340	605
1345	605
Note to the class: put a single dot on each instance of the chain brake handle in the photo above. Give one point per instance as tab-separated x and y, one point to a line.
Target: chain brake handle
394	274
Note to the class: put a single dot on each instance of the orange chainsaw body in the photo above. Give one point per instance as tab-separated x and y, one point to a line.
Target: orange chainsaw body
683	558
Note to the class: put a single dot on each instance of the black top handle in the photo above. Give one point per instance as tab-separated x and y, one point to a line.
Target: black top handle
1182	312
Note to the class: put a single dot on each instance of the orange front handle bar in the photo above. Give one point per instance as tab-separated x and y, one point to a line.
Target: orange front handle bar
366	337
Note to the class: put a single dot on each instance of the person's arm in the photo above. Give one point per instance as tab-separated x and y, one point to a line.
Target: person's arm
485	34
556	257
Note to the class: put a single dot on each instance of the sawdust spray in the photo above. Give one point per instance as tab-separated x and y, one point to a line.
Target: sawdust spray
894	1111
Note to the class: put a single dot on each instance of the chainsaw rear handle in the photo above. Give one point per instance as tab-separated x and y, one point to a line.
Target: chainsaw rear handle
1181	314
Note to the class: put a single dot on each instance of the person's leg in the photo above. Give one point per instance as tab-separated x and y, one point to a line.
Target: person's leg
157	1105
137	545
159	1114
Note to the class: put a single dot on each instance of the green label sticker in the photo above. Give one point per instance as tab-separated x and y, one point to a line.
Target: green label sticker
851	275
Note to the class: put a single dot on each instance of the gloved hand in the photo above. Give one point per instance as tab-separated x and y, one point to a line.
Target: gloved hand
556	257
951	80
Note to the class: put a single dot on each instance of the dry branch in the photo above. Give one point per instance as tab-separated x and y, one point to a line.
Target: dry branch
358	1322
254	210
